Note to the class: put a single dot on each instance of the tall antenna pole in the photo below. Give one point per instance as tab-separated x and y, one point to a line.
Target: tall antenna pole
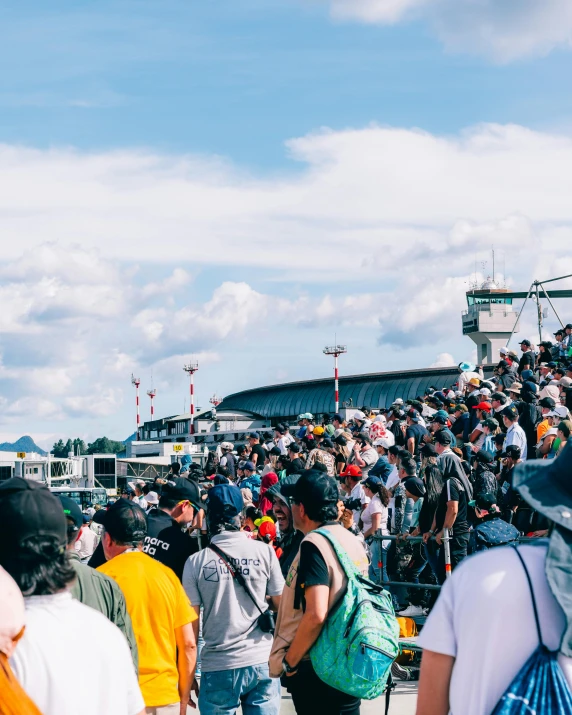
136	381
336	351
152	394
493	264
190	368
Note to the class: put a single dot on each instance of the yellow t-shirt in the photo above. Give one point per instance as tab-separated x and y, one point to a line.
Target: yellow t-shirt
157	604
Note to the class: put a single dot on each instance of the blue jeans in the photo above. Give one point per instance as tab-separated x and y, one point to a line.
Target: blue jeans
378	551
223	691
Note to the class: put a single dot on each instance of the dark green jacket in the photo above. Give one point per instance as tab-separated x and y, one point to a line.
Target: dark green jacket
98	591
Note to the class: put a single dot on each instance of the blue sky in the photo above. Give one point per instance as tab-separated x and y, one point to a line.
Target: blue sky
309	167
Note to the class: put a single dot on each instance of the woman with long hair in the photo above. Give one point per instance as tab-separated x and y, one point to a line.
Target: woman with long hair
341	453
374	519
433	479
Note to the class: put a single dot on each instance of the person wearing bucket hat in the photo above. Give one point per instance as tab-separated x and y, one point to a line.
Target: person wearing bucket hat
496	592
237	645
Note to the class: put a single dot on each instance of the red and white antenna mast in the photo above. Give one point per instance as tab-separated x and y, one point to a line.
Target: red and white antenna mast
152	394
190	368
136	381
215	401
336	351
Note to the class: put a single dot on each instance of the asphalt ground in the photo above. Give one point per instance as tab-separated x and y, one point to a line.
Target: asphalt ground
403	702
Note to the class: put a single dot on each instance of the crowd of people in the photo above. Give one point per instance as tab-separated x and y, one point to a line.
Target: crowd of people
212	585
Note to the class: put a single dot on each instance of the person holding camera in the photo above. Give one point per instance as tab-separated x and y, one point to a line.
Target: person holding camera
232	579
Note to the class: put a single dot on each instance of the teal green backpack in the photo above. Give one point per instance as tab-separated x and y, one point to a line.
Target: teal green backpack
360	638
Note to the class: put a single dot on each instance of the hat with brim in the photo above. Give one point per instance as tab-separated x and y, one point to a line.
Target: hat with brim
545	484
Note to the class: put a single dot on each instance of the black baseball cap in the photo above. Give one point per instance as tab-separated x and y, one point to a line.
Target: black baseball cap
72	510
28	508
510	412
443	437
313	489
415	486
547	402
294	448
337	417
484	456
512	451
181	489
327	442
341	440
125	522
485	501
525	342
428	450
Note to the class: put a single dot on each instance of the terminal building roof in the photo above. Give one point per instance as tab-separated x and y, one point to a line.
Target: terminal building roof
375	390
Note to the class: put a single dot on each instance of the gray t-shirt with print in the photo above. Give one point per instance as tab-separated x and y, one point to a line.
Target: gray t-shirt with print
232	636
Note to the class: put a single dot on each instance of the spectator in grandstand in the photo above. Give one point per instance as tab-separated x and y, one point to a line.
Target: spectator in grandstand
351	481
374	520
452	508
505	376
363	454
490	530
484	480
257	452
341	453
415	434
228	460
403	506
514	432
461	671
323	454
528	358
461	416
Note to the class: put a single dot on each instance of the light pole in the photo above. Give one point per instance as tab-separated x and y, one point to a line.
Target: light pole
152	394
136	381
336	351
190	368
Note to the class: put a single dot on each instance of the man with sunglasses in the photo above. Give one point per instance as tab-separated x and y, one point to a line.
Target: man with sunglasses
166	541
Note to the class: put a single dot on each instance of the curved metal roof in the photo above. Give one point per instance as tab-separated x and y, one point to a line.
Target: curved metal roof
378	389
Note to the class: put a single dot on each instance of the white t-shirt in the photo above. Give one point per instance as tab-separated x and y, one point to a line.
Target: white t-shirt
392	481
64	681
86	543
374	507
284	442
358	493
484	618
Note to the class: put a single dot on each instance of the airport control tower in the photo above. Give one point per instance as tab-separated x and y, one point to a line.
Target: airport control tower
489	319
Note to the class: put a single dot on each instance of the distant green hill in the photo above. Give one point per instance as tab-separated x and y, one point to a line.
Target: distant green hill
24	444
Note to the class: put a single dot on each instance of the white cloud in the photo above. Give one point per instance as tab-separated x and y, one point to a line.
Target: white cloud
360	194
102	402
444	360
391	221
501	29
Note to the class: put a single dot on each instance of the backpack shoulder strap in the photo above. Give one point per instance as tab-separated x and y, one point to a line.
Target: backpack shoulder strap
346	563
533	599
